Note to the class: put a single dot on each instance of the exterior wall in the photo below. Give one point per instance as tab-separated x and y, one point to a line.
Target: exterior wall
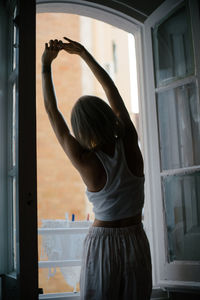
105	37
59	184
117	62
60	188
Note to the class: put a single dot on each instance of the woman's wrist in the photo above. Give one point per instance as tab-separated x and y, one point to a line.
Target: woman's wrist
46	68
84	53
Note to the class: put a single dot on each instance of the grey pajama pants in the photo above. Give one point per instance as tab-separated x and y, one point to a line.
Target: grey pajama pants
116	264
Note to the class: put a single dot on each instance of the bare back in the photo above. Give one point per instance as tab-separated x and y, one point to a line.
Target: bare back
95	178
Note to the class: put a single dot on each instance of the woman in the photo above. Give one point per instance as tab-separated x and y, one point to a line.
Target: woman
116	260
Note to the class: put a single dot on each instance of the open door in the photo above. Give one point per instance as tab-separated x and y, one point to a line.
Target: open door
171	43
19	200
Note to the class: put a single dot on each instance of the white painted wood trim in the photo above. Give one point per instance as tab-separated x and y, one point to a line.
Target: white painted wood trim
144	115
56	231
184	285
181	171
152	164
176	84
60	296
89	9
59	263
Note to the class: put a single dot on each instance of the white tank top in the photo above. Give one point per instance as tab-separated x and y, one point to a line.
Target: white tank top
123	194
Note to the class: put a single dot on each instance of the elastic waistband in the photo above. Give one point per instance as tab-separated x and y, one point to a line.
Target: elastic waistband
135	220
114	231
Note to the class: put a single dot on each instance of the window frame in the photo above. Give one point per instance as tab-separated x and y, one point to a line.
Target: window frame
131	26
21	284
166	274
3	134
12	169
27	209
9	78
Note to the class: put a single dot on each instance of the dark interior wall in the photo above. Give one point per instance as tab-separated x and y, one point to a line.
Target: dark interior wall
139	9
184	295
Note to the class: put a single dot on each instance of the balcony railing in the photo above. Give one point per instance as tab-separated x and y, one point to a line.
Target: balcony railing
62	244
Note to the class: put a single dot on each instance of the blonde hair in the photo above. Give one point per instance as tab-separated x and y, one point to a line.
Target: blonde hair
94	123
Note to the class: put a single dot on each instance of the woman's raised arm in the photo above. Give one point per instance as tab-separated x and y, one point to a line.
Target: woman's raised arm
69	144
104	79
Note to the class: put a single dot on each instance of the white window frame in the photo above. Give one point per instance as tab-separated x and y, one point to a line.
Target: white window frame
6	211
12	170
165	274
3	144
123	22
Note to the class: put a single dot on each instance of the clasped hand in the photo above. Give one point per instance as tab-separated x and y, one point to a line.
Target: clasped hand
54	46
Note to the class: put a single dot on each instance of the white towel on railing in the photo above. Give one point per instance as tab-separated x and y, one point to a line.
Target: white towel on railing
64	247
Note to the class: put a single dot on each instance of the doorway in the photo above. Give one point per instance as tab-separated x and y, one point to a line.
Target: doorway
60	189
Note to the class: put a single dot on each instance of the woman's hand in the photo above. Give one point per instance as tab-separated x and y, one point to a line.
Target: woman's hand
73	47
51	51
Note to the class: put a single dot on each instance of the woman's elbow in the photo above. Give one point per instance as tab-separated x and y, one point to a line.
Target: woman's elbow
49	107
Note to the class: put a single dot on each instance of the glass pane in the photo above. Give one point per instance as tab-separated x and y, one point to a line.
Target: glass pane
173	52
179	127
15	11
14	126
182	203
14	194
14	39
14	47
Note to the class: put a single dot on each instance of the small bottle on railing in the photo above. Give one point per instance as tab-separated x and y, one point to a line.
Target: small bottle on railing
66	216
